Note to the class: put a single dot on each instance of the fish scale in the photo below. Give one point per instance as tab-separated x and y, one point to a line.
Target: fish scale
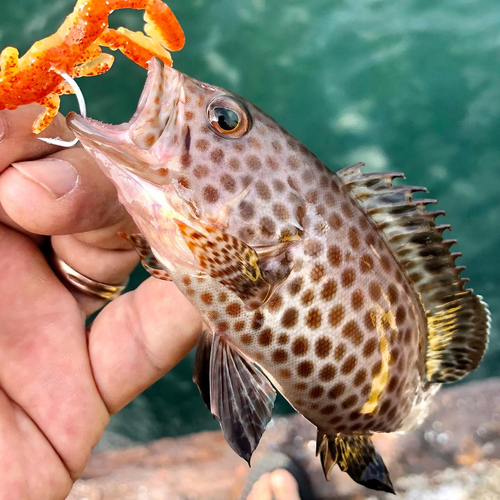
336	289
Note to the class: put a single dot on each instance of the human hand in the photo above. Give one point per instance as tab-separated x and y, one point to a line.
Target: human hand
58	383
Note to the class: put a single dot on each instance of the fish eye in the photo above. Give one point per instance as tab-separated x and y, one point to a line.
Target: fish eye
228	117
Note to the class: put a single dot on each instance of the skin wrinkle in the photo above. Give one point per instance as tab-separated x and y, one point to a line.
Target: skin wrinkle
74	472
47	325
140	313
73	475
43	313
34	487
46	161
160	348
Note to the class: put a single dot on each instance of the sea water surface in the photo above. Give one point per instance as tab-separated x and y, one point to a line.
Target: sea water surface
404	85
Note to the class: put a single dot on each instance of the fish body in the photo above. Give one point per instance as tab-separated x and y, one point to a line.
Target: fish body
337	288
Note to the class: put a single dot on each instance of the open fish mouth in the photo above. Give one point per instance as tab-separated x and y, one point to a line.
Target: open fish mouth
148	135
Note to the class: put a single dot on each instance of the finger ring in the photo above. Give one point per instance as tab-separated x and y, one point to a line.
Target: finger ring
83	283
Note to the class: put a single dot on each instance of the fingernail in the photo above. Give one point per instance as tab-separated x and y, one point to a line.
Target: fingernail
58	177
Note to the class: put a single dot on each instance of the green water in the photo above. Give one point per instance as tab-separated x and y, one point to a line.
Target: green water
406	85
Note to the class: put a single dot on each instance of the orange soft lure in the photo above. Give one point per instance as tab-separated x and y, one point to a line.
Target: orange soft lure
75	49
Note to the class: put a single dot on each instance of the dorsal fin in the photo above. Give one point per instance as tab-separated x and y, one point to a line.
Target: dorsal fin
458	321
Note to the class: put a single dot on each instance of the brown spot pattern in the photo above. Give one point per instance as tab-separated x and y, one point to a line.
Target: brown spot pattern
279	356
265	337
210	194
307	297
369	347
336	315
357	299
365	263
375	291
370	319
202	144
246	339
228	183
283	339
206	298
348	276
350	401
300	346
233	309
316	392
349	364
313	318
334	256
327	373
335	221
329	290
353	237
305	368
323	347
275	302
295	286
281	212
360	377
400	315
352	332
392	294
253	162
336	391
339	351
217	155
263	192
317	272
257	320
239	326
290	318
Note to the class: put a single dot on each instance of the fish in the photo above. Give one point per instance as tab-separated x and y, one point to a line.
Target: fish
335	289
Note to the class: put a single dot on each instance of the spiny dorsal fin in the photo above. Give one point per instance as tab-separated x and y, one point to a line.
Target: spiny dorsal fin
458	321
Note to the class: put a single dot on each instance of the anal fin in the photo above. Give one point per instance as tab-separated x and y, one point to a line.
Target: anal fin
235	391
144	251
356	455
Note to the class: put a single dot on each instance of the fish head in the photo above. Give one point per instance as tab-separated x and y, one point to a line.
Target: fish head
197	152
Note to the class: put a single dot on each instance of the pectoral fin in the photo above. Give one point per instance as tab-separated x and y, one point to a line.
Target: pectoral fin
230	261
144	251
235	391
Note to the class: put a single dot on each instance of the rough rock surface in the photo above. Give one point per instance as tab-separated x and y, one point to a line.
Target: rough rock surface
454	455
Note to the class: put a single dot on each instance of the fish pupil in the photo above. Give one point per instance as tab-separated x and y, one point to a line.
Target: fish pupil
226	118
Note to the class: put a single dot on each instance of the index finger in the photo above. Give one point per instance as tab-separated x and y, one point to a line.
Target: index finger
18	142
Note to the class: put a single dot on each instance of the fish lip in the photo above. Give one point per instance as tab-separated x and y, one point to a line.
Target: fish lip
162	89
93	131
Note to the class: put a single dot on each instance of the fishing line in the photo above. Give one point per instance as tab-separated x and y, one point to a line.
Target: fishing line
57	141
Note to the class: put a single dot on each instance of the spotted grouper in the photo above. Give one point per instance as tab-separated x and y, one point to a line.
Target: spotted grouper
335	288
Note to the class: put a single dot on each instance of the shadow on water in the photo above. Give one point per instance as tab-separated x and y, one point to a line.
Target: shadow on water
411	86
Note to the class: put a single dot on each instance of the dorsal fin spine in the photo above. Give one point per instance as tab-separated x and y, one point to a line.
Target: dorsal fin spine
458	320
